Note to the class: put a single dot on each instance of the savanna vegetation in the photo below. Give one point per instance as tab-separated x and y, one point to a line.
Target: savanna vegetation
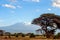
48	22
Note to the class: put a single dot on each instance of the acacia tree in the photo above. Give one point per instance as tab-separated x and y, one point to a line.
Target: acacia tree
48	22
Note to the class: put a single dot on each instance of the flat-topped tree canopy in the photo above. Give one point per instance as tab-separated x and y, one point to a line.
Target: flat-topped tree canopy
49	15
46	18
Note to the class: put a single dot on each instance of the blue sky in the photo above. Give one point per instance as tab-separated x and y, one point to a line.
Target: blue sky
14	11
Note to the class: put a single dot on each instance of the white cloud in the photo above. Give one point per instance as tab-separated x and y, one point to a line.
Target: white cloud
36	0
32	0
9	6
27	23
49	9
56	3
19	6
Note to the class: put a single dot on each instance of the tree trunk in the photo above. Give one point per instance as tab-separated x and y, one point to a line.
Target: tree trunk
50	34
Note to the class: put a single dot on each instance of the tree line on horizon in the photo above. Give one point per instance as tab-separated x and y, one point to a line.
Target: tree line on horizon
31	35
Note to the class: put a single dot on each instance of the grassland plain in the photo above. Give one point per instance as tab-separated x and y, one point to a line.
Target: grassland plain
24	38
30	39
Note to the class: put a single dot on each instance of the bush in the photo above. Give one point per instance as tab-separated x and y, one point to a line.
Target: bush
32	35
57	36
23	35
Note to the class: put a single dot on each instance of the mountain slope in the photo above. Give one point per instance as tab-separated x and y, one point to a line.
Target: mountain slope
20	27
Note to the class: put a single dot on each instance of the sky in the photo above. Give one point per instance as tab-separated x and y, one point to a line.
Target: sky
14	11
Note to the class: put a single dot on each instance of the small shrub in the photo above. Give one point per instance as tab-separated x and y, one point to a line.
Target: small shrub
32	35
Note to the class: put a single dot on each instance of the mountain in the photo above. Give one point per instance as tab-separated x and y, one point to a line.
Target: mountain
20	27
